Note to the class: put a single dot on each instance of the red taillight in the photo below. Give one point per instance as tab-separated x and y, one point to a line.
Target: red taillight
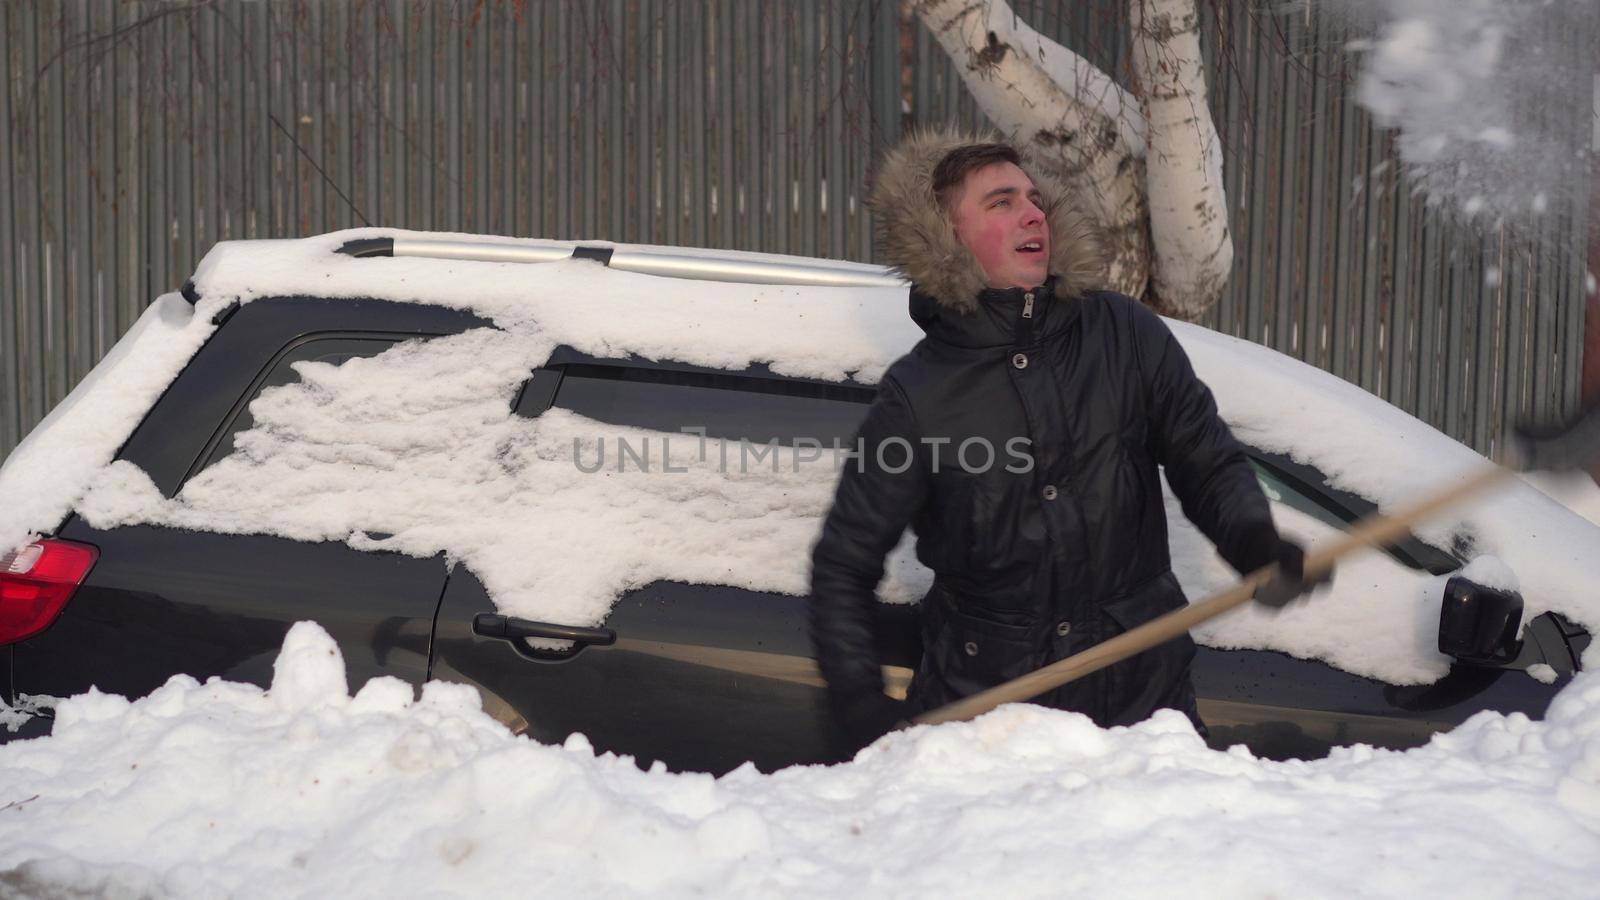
36	581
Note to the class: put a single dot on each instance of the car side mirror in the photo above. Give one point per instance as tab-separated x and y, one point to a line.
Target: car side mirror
1479	624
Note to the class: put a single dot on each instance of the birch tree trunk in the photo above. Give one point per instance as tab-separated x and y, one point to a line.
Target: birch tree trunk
1193	250
1161	210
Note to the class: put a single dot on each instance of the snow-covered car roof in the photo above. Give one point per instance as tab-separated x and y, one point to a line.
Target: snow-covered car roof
742	529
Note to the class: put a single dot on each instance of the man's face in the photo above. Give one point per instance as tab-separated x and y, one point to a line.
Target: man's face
997	216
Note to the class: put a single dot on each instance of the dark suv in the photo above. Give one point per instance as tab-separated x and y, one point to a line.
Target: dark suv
698	676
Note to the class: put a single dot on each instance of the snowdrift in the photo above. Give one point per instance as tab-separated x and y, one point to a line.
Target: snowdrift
216	789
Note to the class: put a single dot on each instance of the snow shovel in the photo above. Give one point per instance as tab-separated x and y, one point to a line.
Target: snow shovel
1572	447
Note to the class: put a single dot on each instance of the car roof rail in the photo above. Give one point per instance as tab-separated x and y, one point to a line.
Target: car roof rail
697	264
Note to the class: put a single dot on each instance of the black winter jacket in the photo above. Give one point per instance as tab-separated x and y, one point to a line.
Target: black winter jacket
1035	563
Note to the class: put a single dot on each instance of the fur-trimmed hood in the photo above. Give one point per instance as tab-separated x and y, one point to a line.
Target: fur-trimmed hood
919	241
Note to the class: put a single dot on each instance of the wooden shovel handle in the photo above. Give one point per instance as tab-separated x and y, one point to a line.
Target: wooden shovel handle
1374	531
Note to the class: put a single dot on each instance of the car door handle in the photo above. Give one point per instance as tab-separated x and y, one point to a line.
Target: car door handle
491	625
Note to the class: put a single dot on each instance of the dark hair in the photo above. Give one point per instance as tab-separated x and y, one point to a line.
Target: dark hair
953	169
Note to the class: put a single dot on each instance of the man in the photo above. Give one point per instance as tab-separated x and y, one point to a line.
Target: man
1021	439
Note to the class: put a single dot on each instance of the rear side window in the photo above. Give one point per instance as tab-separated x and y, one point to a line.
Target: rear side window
729	407
332	350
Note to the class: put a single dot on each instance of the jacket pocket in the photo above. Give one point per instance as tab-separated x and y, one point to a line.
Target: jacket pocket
970	649
1151	599
1135	686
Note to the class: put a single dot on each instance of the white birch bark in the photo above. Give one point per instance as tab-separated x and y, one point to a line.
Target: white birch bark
1150	167
1193	250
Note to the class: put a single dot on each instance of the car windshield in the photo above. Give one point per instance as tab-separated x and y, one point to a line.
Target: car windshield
1340	510
1280	491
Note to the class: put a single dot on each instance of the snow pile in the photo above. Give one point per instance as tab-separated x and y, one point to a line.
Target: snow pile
222	789
1489	96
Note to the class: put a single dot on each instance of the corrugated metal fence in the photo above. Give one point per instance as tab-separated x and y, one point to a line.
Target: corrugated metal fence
139	133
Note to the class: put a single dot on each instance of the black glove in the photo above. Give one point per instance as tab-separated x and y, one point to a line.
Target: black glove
1289	582
865	717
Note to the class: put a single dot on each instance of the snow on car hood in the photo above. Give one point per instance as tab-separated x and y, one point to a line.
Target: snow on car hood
223	789
340	456
1372	448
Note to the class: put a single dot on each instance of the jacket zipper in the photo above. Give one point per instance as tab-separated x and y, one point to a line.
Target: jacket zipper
1027	305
